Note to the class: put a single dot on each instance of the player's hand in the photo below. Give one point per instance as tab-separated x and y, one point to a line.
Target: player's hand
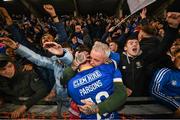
54	48
88	107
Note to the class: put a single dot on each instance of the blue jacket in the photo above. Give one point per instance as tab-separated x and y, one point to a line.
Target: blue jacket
61	32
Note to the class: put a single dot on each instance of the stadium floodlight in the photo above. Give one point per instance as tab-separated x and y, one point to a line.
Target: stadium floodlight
7	0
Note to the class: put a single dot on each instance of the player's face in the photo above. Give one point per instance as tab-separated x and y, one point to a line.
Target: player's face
8	71
132	48
97	58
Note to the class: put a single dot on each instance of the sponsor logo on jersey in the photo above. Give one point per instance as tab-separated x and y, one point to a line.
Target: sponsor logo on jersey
174	82
87	79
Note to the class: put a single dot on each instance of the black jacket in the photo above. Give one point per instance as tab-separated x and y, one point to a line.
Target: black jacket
23	84
134	74
149	44
137	72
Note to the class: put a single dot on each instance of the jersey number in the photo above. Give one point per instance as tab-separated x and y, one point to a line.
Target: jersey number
98	100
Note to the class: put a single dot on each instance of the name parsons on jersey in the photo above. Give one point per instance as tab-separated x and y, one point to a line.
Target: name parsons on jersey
87	79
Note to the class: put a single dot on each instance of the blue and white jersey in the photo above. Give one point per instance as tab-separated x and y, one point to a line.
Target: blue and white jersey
166	86
96	85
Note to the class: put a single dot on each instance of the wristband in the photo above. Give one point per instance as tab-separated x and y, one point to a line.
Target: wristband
54	16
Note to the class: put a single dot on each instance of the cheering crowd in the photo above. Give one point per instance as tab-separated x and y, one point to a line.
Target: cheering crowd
89	65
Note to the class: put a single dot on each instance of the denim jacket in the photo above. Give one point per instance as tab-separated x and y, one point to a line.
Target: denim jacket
55	63
47	75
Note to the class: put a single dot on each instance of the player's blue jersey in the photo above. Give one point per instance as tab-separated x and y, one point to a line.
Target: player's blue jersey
96	85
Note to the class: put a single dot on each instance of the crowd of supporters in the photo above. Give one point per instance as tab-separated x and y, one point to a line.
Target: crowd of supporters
145	49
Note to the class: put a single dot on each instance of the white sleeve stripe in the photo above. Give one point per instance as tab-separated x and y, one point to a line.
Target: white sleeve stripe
115	63
162	71
117	80
156	91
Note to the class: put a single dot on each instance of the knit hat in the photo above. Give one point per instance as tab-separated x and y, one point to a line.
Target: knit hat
174	7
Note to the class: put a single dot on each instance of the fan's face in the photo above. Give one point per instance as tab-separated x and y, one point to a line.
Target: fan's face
8	71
